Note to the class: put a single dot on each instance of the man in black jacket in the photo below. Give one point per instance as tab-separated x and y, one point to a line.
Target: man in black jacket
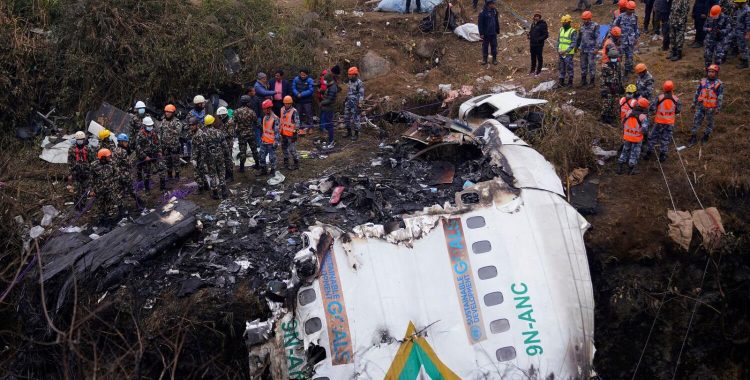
489	28
538	34
700	13
281	87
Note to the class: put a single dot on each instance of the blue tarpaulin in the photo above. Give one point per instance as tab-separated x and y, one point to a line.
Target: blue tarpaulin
603	30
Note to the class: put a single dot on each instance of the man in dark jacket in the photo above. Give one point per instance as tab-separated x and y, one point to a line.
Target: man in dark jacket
327	105
489	28
662	9
700	13
303	88
538	34
281	88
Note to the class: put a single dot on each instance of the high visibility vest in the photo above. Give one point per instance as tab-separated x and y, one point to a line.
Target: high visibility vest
626	105
269	135
632	130
82	153
606	45
666	109
709	94
566	40
287	122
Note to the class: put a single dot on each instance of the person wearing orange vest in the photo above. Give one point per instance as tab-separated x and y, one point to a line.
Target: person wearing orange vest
707	104
667	107
290	121
635	127
612	41
628	102
269	138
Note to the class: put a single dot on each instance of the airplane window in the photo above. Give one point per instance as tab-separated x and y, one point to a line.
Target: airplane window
313	325
494	298
499	325
506	353
481	246
475	222
487	272
306	297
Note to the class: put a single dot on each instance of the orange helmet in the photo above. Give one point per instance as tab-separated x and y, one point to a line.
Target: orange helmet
267	104
631	5
668	86
353	71
713	67
586	15
622	4
104	152
288	100
170	108
643	102
616	31
639	68
715	11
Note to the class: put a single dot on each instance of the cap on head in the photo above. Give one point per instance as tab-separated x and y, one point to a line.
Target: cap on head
616	31
587	16
537	13
715	11
353	71
639	68
104	134
170	108
147	121
267	104
668	86
209	120
123	137
80	135
631	5
221	111
631	88
104	152
643	102
566	18
198	99
139	104
245	99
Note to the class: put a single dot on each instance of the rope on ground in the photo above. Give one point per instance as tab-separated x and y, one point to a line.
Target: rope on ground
656	318
684	170
692	315
671	198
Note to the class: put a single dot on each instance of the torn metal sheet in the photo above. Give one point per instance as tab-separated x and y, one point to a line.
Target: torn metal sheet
56	152
442	173
112	118
476	110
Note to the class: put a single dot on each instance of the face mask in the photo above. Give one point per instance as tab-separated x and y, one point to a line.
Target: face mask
79	142
141	111
353	79
199	107
149	129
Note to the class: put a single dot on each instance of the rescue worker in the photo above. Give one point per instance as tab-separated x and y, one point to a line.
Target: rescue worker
622	6
225	124
105	186
489	28
80	157
270	139
667	107
246	122
105	140
635	127
707	104
303	88
628	23
170	130
123	162
613	40
148	155
290	125
611	85
677	27
566	48
213	146
327	106
137	118
740	32
587	44
628	102
717	36
199	112
197	157
355	96
644	82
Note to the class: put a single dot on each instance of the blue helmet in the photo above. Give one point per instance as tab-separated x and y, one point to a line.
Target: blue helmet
123	137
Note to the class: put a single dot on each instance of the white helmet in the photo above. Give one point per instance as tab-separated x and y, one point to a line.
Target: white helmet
80	135
222	111
147	121
140	104
199	99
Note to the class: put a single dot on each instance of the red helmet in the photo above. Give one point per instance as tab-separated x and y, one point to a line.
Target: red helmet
267	104
353	71
622	4
631	5
586	15
643	102
713	67
715	11
104	152
668	86
170	108
616	31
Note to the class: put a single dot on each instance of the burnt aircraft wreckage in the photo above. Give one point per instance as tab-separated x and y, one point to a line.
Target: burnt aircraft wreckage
491	282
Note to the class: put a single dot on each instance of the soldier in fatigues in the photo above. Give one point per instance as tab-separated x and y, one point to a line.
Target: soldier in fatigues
677	26
611	86
628	23
226	126
290	124
644	83
707	103
587	43
136	120
635	127
148	154
740	32
667	107
246	122
80	157
213	145
566	48
105	186
170	131
105	140
717	36
269	140
123	162
355	95
197	157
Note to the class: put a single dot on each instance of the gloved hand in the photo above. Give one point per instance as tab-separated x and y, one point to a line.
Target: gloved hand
294	136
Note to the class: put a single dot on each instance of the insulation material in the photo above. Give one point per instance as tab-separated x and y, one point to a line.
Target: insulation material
680	227
56	153
708	223
469	32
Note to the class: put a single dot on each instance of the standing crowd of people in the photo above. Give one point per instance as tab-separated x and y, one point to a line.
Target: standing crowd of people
271	114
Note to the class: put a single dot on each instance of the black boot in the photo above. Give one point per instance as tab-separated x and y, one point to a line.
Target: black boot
296	164
356	135
662	156
494	60
286	164
177	175
229	174
634	170
484	61
647	156
224	192
242	165
693	140
215	194
561	83
584	81
120	212
620	167
162	184
348	132
147	186
593	80
705	138
169	174
743	64
570	82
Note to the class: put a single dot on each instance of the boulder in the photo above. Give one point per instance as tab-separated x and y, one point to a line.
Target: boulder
424	49
373	65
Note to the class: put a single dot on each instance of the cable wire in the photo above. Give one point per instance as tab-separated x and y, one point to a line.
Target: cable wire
686	174
692	315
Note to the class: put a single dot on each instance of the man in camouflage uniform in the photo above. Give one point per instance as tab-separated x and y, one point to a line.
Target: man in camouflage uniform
105	141
587	43
246	122
355	95
80	157
677	26
123	162
136	119
197	156
225	124
741	31
717	36
628	23
644	83
611	86
212	146
148	154
170	130
105	186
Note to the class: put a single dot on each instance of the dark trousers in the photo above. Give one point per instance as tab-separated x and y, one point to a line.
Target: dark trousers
487	43
305	114
326	124
408	5
664	17
700	34
277	104
537	59
647	15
